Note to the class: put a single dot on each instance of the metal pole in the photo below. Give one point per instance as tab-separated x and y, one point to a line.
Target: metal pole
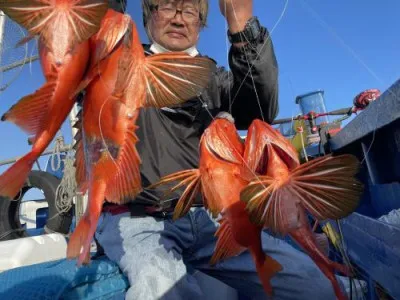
47	152
2	22
80	200
19	63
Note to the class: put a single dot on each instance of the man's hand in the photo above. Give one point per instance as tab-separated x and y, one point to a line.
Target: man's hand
237	13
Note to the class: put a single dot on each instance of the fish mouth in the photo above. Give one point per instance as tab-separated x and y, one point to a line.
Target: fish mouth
263	162
262	165
259	165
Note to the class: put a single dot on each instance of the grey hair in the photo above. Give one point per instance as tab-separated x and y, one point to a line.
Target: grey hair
147	4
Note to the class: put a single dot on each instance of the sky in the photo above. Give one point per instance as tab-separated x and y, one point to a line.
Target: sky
342	47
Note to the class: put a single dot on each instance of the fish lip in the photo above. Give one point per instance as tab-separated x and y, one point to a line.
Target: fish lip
211	150
214	153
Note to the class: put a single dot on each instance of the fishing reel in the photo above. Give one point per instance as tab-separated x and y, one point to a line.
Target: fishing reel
363	99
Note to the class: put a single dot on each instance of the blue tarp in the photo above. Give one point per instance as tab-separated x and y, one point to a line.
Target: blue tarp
62	279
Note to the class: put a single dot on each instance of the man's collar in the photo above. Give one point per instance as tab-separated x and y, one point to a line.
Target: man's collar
157	48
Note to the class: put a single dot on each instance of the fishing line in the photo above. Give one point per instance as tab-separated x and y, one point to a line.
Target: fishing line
262	47
204	104
101	132
344	254
227	63
248	65
240	86
31	57
250	71
357	57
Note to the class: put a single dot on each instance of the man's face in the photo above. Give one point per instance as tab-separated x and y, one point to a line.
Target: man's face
176	24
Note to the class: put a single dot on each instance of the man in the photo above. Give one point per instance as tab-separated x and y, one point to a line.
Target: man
158	255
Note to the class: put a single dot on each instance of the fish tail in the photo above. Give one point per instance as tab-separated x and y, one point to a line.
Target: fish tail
304	237
12	180
266	267
40	17
81	238
326	187
189	178
78	247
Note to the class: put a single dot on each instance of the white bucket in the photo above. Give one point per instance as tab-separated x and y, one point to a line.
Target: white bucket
32	250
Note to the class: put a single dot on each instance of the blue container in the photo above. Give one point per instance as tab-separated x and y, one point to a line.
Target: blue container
313	101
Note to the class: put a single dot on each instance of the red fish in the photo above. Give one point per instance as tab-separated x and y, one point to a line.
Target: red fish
121	84
220	177
113	28
64	28
278	199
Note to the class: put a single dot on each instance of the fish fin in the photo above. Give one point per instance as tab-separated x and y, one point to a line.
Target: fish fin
79	242
173	78
305	238
213	203
12	180
80	163
81	237
266	270
28	113
226	246
110	34
80	166
266	202
112	30
325	186
90	75
43	17
322	242
126	183
191	178
261	138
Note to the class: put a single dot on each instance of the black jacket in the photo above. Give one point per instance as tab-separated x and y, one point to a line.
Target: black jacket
169	139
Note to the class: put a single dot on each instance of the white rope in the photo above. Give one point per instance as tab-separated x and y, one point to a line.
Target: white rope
66	190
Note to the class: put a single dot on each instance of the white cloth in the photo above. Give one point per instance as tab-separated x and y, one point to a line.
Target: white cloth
157	48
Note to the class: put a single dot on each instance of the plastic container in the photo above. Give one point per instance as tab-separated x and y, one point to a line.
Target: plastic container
32	250
313	101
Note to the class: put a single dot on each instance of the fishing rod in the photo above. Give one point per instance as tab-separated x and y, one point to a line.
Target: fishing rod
360	102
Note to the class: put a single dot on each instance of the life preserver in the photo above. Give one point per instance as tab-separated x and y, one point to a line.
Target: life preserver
10	226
